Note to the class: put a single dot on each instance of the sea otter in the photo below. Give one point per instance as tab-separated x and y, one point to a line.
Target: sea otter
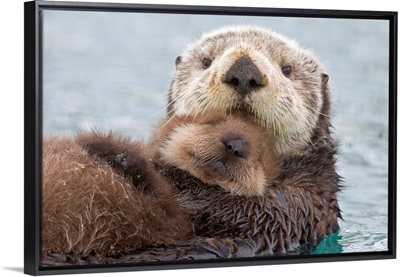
257	72
102	193
253	72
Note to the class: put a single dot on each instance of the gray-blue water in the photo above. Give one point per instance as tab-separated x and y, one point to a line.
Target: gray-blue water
113	70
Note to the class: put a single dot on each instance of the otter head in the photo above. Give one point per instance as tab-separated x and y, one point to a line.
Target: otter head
226	150
253	71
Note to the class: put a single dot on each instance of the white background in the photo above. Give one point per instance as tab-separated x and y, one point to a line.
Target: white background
12	137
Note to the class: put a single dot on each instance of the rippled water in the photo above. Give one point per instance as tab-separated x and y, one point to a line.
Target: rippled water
113	69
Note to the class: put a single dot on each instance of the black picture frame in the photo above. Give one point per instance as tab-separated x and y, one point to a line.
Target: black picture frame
33	132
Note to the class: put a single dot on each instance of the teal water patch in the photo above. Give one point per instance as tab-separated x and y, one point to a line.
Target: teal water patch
330	244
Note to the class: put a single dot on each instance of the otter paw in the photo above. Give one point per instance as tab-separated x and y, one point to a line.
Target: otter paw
134	166
120	159
129	162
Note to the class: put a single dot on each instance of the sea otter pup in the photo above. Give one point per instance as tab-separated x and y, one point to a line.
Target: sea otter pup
226	150
90	207
87	207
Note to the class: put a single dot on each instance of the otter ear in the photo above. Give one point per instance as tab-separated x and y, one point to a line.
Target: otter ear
178	60
325	79
326	106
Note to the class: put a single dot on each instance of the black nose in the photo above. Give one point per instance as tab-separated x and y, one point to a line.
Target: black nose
244	76
235	147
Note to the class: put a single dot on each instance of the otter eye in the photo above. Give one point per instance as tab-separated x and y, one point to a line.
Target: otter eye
287	70
206	63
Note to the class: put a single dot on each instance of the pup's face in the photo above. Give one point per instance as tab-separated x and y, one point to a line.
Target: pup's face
235	154
256	72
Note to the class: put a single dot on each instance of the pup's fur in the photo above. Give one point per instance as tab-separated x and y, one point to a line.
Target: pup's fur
88	206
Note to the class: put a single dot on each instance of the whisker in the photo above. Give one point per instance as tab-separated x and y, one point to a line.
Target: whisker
158	112
169	119
164	109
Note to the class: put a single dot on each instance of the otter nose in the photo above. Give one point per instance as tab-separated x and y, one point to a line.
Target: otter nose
235	147
244	76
